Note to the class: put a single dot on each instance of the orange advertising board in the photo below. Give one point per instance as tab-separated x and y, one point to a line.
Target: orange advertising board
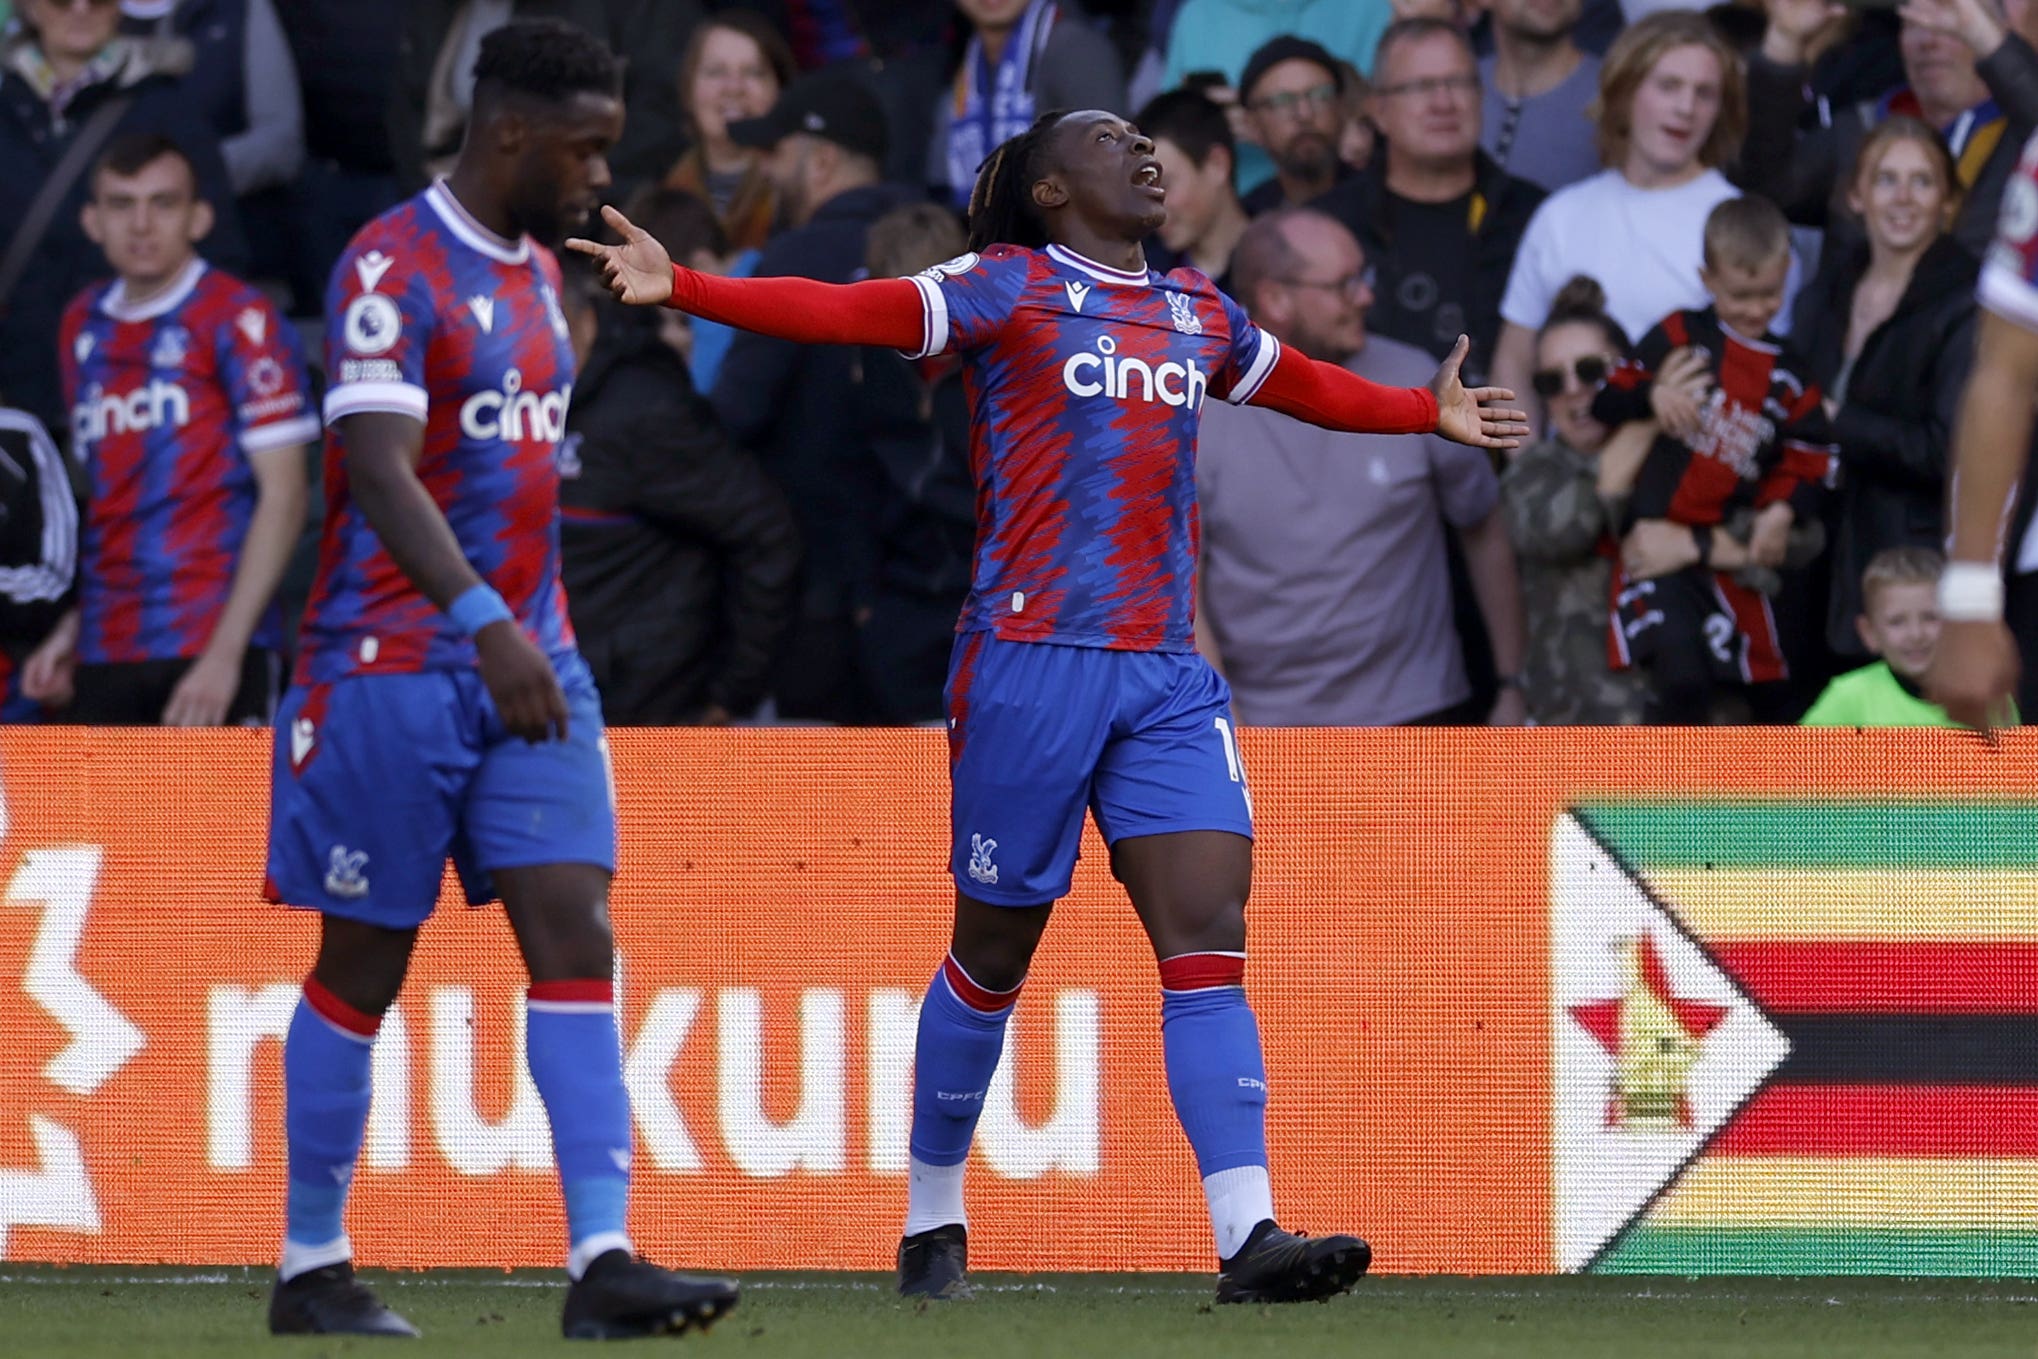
781	901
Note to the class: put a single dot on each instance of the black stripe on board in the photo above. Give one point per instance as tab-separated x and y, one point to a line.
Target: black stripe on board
1845	1049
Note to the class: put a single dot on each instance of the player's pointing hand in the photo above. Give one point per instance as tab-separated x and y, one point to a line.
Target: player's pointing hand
638	271
1475	416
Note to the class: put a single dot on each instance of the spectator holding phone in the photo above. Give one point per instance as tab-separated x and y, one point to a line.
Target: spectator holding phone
1971	73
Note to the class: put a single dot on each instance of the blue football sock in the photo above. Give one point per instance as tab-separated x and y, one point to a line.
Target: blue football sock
961	1037
326	1064
577	1064
1211	1045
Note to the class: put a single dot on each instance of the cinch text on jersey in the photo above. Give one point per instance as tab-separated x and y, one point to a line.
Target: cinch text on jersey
98	414
1104	374
514	414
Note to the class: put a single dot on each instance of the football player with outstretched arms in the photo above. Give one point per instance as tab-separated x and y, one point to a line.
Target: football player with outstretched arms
1075	684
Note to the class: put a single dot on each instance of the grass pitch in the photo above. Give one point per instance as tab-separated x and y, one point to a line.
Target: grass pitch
50	1313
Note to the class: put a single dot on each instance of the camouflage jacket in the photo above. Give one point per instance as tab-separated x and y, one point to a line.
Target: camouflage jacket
1562	529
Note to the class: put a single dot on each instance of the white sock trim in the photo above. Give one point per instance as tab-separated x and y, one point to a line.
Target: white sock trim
1240	1199
299	1258
934	1196
589	1249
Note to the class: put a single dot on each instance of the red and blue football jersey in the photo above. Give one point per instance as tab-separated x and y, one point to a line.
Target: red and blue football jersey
2009	280
435	317
169	399
1088	386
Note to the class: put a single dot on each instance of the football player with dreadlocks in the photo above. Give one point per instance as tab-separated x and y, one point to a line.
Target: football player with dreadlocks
1075	681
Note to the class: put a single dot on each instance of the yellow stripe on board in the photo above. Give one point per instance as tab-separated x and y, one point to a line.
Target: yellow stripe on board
1837	1192
1828	903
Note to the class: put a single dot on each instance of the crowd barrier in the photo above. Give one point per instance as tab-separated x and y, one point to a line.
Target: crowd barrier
1532	1001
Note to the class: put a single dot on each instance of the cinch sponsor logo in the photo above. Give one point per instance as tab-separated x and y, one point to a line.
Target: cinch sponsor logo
1130	379
100	413
514	414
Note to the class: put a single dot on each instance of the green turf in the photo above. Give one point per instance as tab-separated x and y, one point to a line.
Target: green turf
55	1314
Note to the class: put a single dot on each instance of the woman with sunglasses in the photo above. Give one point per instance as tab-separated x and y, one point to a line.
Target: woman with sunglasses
1563	497
1887	332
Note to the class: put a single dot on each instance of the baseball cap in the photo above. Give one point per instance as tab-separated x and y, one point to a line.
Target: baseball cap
830	104
1285	48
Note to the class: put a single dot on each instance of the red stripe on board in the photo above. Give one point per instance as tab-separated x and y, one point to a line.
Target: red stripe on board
1884	1120
600	991
1885	978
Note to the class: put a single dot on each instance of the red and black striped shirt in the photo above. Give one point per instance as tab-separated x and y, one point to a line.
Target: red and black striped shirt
1765	436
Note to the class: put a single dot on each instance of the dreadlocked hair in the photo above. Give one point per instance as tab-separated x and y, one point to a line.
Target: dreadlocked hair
1001	209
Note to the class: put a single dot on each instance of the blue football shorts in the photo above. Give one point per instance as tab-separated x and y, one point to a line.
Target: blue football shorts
1038	732
377	779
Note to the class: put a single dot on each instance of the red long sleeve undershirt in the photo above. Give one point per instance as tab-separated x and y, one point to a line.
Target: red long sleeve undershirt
888	312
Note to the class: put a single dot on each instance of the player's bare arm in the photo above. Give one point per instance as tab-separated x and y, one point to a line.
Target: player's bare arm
382	457
1975	668
205	694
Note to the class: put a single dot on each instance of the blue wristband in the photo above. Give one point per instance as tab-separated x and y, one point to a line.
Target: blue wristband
477	608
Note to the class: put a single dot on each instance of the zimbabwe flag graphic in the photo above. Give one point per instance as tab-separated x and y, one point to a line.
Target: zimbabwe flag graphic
1795	1036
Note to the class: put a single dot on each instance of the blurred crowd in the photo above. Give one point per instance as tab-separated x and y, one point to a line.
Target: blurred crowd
1727	258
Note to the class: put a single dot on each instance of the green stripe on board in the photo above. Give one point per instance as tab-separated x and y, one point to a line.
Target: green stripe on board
1818	834
1705	1250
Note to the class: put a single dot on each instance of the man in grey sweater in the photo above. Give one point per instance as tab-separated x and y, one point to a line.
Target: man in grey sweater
1326	590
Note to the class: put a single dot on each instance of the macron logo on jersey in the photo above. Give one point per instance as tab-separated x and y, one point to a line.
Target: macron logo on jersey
513	414
1105	374
160	404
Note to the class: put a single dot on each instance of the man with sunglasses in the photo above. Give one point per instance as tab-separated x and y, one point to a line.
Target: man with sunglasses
1326	590
1293	93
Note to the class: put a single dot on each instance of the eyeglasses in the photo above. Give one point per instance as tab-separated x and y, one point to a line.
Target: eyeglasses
80	4
1351	285
1429	85
1297	103
1590	371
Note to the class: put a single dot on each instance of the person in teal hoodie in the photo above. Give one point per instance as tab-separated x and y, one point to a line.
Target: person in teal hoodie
1899	622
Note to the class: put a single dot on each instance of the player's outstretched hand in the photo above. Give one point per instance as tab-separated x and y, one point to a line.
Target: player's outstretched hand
1974	672
638	271
520	680
1475	415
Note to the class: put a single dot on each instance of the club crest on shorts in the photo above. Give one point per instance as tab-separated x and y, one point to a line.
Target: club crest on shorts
1185	316
344	877
981	869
